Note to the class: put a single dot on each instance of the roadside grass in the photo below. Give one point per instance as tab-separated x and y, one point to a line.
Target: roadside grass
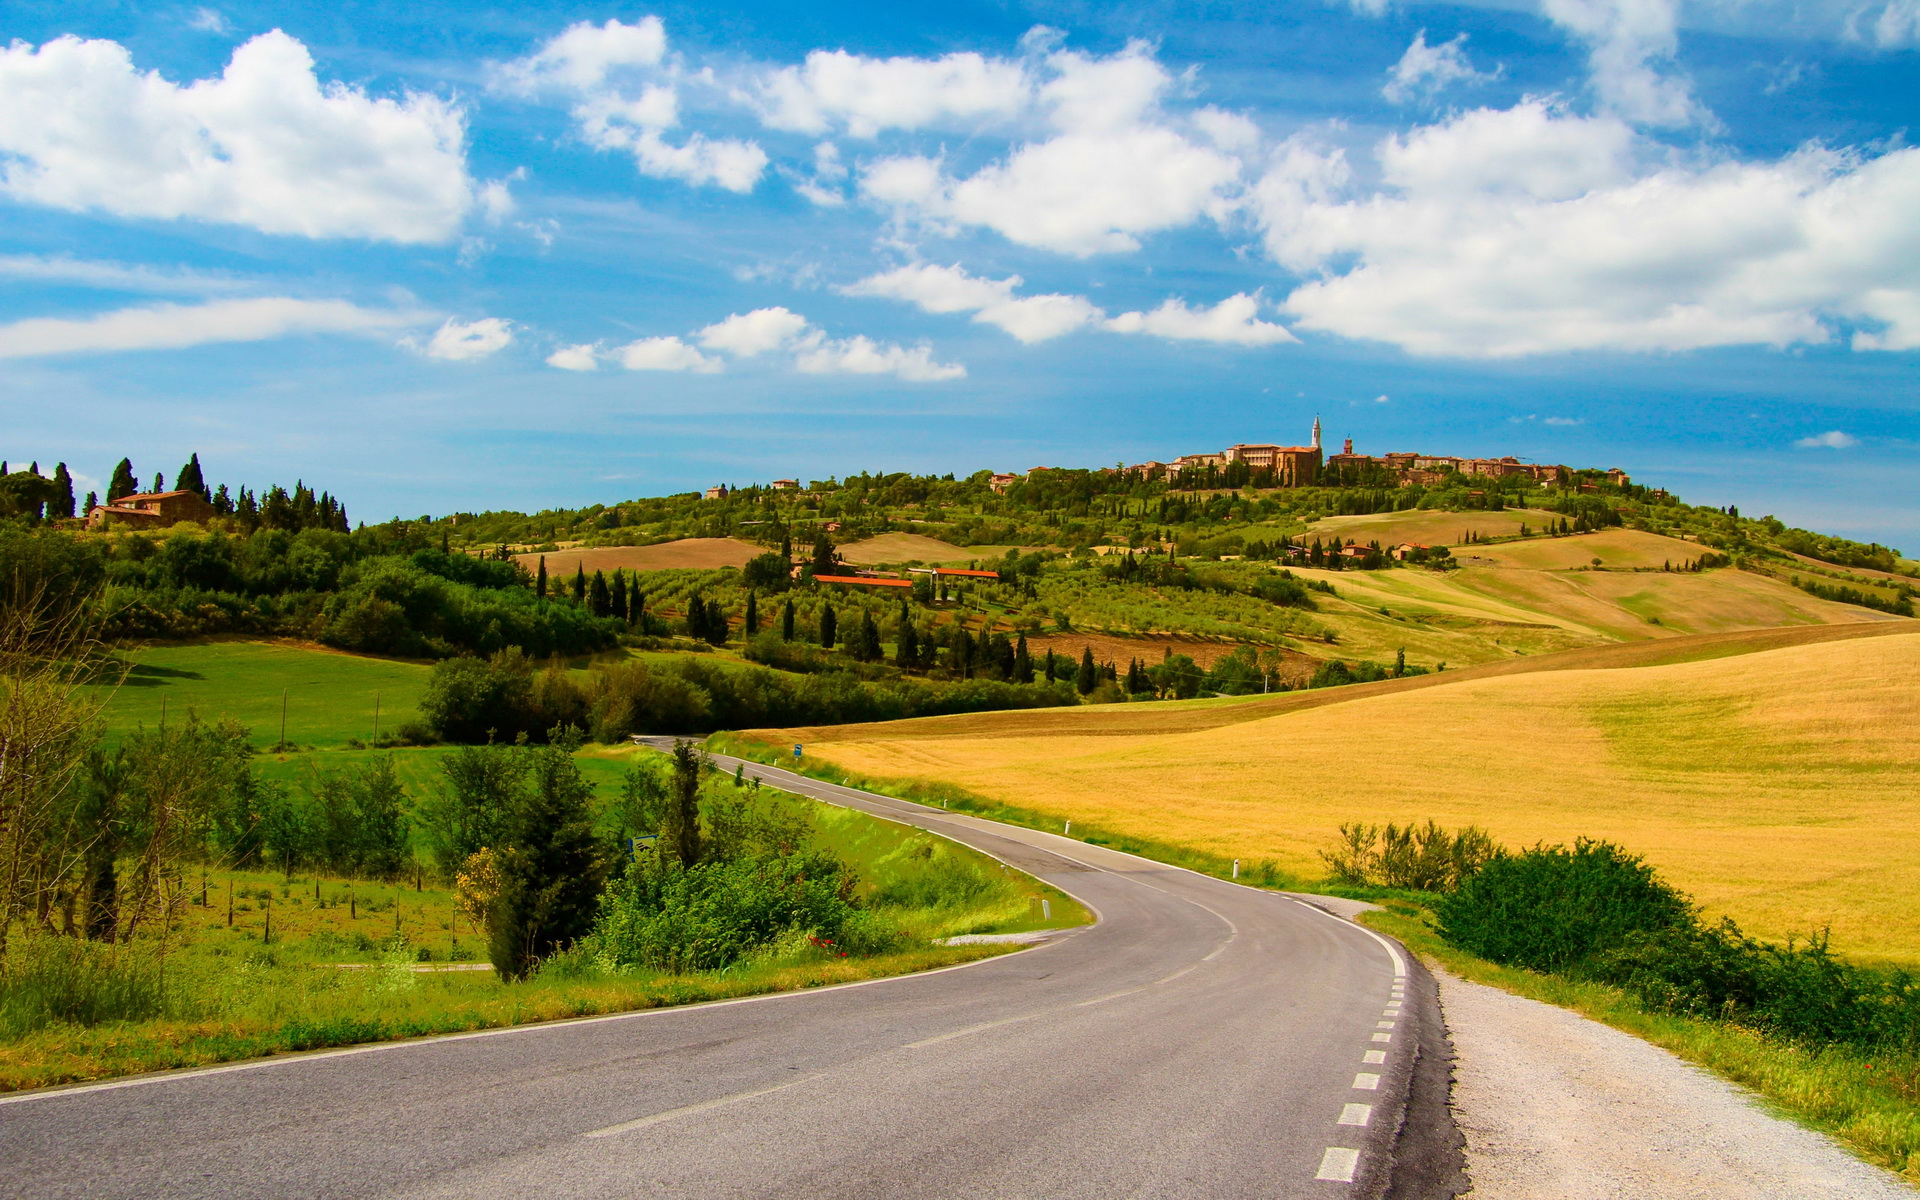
1780	787
1869	1101
330	696
314	961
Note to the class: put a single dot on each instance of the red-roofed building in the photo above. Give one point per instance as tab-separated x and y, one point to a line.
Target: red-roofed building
152	510
859	581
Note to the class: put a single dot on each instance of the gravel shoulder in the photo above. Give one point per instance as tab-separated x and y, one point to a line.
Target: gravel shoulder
1557	1107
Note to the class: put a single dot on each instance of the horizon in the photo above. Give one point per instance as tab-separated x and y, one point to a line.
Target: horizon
535	258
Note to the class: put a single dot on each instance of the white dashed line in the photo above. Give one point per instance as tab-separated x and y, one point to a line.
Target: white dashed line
1382	1037
1339	1165
1374	1056
689	1110
1383	1024
1391	1011
1367	1082
1356	1114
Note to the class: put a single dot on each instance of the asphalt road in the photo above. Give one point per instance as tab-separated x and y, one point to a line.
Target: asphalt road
1201	1040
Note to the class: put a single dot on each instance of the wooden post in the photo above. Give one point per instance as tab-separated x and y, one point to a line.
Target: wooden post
353	906
267	937
229	902
283	719
376	716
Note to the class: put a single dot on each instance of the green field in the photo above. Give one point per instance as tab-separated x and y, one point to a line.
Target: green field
329	697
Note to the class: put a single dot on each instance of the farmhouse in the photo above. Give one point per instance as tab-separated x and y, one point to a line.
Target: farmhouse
152	510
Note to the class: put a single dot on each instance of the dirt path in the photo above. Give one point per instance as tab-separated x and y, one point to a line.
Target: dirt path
1557	1107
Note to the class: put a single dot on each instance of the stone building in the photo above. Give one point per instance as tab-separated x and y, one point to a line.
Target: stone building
152	510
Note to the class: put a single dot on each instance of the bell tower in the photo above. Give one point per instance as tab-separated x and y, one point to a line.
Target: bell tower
1316	432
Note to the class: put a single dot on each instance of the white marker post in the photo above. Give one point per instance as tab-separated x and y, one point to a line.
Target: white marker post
1236	868
1068	831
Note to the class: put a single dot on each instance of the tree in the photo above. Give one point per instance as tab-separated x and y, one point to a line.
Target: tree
61	505
680	823
191	480
825	560
620	595
1022	661
93	501
122	483
469	811
866	646
829	631
770	571
750	624
540	580
159	482
599	600
786	622
550	869
579	583
906	643
1088	677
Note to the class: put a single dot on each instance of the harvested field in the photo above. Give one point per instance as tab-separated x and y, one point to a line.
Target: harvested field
1774	774
1149	649
704	553
1617	549
908	547
1429	527
1632	604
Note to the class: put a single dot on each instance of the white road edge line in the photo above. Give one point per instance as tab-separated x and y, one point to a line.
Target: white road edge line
689	1110
1339	1165
1366	1081
1393	951
1356	1114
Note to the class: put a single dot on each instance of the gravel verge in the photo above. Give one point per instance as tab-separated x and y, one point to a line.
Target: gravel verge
1557	1107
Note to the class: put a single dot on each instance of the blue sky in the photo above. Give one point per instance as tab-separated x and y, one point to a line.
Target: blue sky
456	258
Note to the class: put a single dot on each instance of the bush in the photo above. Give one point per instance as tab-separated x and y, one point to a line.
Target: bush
1417	858
1550	908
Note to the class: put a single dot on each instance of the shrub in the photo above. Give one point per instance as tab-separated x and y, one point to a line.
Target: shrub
1550	907
1418	858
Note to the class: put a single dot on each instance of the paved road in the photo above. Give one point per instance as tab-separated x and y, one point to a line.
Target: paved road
1202	1040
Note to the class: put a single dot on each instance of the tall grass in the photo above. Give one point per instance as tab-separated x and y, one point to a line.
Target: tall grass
59	980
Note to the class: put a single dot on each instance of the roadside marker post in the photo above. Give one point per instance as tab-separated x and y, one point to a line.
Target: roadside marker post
1068	831
1236	868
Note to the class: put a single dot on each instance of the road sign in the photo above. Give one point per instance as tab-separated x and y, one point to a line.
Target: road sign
796	749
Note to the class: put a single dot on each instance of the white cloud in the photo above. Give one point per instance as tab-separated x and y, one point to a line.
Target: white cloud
468	341
1628	41
1424	71
114	276
581	57
206	20
1115	170
263	145
1564	422
860	355
1832	439
1897	24
756	332
866	95
1380	399
665	354
1235	320
177	327
625	99
584	357
1528	231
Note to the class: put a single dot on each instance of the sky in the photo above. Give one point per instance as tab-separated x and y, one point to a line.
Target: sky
438	258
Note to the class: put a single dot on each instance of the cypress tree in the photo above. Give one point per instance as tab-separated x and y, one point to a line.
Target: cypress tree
639	603
825	561
1000	654
191	480
869	638
62	503
696	618
1022	661
829	631
122	483
549	863
680	825
1088	676
1051	669
579	583
620	596
539	580
786	622
750	624
93	500
599	600
906	643
159	481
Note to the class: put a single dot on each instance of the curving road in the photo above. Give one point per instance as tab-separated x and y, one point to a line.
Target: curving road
1202	1040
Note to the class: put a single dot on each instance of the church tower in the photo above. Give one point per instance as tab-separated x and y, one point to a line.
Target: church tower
1316	432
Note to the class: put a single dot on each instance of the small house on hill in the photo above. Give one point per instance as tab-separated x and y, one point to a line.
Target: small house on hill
152	510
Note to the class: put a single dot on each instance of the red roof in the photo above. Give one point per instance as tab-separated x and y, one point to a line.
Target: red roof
905	583
968	574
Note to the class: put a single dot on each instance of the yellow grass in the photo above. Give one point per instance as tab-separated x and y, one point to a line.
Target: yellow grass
687	552
1781	787
1429	527
1615	548
908	547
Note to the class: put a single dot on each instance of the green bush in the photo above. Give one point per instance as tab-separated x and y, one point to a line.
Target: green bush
1550	908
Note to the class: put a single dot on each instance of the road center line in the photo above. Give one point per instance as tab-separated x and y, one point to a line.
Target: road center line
687	1111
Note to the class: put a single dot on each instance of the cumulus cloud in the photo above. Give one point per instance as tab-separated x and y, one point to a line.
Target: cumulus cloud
664	354
938	289
1897	24
860	355
866	95
1630	45
469	341
1235	320
583	357
1530	231
263	145
747	334
625	99
1424	71
1832	439
177	327
1116	168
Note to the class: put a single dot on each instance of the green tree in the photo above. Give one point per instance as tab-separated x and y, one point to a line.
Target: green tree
750	624
620	608
599	599
826	561
481	785
540	580
191	480
61	505
786	622
829	627
550	868
579	583
866	646
1088	677
680	821
1022	661
122	483
906	643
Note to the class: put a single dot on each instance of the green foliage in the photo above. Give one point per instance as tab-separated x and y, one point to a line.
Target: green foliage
1414	857
550	866
481	785
1550	908
54	980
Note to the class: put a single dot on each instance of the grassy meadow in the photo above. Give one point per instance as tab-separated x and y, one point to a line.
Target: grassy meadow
1780	786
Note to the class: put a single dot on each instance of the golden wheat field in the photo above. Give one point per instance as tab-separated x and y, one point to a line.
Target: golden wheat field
1779	786
703	553
1430	527
1616	549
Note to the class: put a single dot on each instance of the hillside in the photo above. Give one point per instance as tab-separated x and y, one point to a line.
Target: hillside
1772	774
